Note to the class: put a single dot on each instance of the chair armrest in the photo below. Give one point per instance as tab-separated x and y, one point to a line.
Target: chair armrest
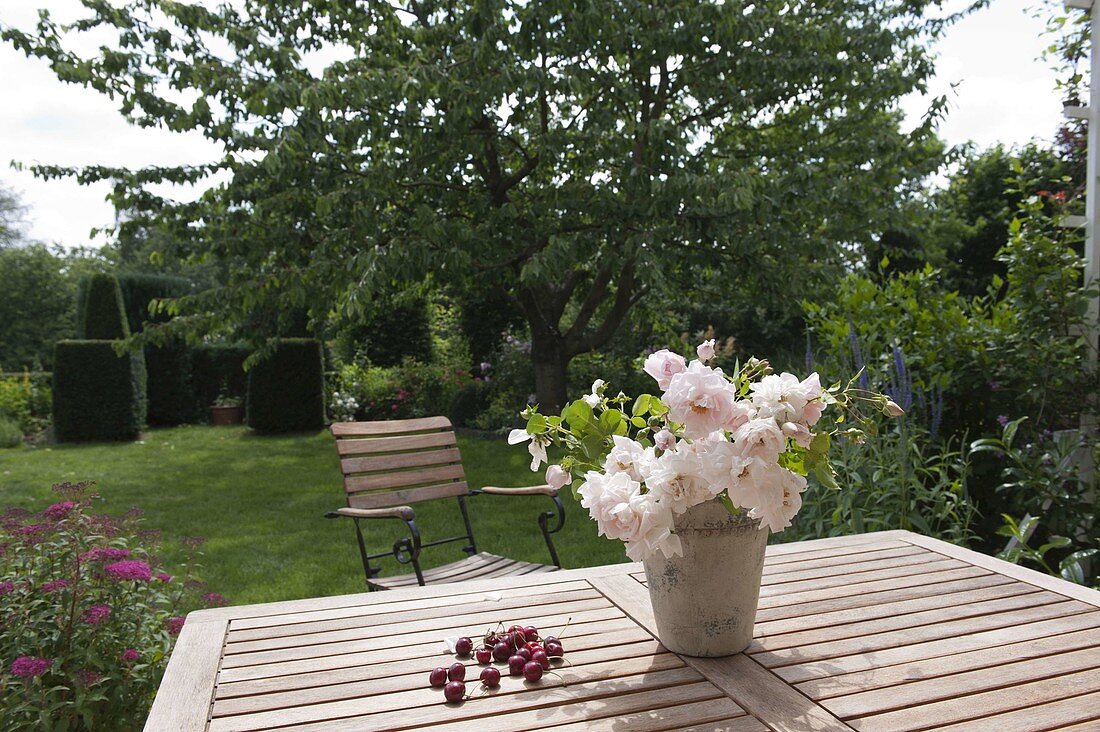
405	513
527	490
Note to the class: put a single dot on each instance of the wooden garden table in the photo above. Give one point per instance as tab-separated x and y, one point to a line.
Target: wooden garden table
885	631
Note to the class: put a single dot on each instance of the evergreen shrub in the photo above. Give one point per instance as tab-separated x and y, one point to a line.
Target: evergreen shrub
97	394
103	314
286	391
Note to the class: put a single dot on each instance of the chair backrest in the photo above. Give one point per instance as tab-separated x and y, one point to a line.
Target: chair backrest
397	462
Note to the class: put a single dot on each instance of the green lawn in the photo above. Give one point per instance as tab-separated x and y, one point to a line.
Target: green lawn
259	501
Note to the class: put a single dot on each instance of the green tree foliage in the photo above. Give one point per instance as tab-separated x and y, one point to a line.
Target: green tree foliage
12	211
36	308
585	156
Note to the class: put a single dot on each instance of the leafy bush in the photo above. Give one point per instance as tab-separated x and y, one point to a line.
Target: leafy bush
413	389
217	370
286	391
25	400
10	433
394	328
97	394
88	617
901	479
468	402
104	314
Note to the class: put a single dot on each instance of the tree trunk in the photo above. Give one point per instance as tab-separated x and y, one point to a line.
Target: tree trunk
551	360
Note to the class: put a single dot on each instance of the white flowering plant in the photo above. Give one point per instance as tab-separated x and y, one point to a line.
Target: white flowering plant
746	438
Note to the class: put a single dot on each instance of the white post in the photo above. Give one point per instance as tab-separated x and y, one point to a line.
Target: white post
1092	214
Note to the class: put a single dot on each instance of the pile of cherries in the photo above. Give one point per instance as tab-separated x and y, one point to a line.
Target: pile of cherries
526	653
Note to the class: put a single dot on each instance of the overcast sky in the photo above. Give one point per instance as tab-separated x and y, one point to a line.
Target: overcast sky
1003	93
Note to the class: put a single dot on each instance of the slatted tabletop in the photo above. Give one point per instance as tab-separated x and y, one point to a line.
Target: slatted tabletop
876	632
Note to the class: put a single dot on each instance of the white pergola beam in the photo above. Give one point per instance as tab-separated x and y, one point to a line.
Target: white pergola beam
1078	4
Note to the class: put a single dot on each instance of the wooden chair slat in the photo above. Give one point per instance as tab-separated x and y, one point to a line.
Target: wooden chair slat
481	566
384	499
395	444
351	466
403	478
390	427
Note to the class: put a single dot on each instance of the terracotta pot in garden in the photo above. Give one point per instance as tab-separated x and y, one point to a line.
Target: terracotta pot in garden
224	415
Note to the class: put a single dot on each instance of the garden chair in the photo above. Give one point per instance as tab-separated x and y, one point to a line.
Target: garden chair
390	465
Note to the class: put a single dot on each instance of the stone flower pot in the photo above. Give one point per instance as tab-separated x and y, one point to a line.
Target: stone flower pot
705	601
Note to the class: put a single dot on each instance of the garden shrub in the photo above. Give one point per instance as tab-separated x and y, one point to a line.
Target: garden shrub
469	402
104	314
11	434
140	288
411	390
25	400
89	618
97	394
217	370
171	398
394	328
286	391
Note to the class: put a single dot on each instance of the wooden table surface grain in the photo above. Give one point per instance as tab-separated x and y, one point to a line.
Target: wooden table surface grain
875	632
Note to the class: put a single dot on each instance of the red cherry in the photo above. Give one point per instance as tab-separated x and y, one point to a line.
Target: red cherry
501	651
531	633
532	671
541	659
457	672
554	650
484	656
438	677
463	646
525	653
550	639
490	677
505	638
516	664
516	630
534	646
454	691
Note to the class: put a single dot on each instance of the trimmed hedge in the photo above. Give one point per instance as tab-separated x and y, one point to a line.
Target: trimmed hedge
140	288
171	398
104	314
214	367
97	395
286	391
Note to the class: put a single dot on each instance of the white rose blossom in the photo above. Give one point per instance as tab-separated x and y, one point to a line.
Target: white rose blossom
701	399
594	398
628	456
623	512
759	438
537	448
705	350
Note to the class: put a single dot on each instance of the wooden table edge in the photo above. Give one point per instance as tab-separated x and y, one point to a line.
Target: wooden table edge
1007	569
186	693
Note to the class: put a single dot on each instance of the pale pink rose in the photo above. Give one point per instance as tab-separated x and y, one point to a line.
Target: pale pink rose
623	512
594	398
812	412
556	477
628	456
537	448
798	432
679	481
780	499
664	440
663	365
705	350
703	401
811	390
761	439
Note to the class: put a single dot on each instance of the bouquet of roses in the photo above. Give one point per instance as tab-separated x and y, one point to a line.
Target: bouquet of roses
745	438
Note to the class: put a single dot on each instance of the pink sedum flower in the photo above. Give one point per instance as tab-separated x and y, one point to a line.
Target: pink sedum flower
129	569
104	554
163	577
59	511
130	655
174	625
30	667
702	400
663	365
54	586
6	588
96	614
